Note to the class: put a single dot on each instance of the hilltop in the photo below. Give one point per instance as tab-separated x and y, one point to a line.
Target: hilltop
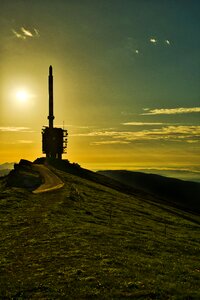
94	238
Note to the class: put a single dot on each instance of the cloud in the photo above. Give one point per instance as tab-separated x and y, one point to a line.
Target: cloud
36	32
25	142
110	142
171	111
74	126
167	42
192	141
183	133
141	124
15	129
153	40
18	35
26	33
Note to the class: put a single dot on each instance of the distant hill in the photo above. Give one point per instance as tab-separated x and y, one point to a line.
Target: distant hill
183	174
184	194
4	172
5	168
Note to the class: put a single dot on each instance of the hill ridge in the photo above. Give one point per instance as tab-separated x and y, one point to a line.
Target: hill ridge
90	241
183	194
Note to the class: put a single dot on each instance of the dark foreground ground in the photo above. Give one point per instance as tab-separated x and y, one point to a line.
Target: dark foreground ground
89	241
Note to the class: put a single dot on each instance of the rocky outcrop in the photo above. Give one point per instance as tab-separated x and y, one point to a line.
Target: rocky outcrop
24	175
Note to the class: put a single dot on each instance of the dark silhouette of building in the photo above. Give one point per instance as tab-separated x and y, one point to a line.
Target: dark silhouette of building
54	140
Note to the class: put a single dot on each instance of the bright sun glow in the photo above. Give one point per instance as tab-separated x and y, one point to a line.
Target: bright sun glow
22	96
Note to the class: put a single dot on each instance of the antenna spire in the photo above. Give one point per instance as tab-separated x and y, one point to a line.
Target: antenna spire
51	116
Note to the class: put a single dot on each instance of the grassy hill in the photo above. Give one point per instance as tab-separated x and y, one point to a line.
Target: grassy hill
180	193
88	240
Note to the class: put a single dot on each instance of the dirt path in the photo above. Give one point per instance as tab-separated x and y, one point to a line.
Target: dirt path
51	181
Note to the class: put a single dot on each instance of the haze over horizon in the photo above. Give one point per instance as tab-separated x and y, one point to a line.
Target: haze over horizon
126	81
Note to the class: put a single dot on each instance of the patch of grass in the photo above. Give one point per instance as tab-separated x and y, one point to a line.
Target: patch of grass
88	241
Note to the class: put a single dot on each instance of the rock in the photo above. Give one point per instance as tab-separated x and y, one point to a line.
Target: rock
24	176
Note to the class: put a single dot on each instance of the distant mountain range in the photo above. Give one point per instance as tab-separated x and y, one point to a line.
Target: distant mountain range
5	168
183	174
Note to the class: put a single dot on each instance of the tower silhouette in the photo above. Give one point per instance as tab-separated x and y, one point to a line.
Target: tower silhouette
54	140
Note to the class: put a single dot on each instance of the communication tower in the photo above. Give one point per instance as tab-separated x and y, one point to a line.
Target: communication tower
54	140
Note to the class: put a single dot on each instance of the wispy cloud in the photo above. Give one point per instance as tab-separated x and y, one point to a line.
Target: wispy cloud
171	111
24	33
153	40
15	129
75	126
167	42
25	142
18	35
110	142
167	133
36	32
141	124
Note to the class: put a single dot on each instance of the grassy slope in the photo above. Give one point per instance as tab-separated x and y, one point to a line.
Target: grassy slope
87	241
184	194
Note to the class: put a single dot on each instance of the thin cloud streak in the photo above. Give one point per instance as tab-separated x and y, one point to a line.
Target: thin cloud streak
26	33
142	124
36	32
153	40
25	142
171	111
167	133
110	142
167	42
18	35
15	129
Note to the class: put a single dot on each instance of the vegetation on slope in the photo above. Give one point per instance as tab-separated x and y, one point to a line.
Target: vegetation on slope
184	194
88	241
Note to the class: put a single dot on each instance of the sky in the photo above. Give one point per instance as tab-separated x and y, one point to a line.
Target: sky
126	81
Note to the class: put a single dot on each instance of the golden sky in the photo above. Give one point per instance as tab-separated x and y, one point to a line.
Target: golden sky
126	81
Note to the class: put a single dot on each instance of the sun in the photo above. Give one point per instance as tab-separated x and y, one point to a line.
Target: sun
22	96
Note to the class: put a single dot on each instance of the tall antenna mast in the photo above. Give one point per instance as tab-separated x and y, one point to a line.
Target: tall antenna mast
54	140
51	116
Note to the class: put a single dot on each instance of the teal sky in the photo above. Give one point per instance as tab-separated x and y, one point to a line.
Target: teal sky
126	79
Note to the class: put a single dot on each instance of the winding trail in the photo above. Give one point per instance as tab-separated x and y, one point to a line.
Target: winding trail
51	181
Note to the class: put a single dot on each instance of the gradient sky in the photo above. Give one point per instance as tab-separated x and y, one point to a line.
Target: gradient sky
126	80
